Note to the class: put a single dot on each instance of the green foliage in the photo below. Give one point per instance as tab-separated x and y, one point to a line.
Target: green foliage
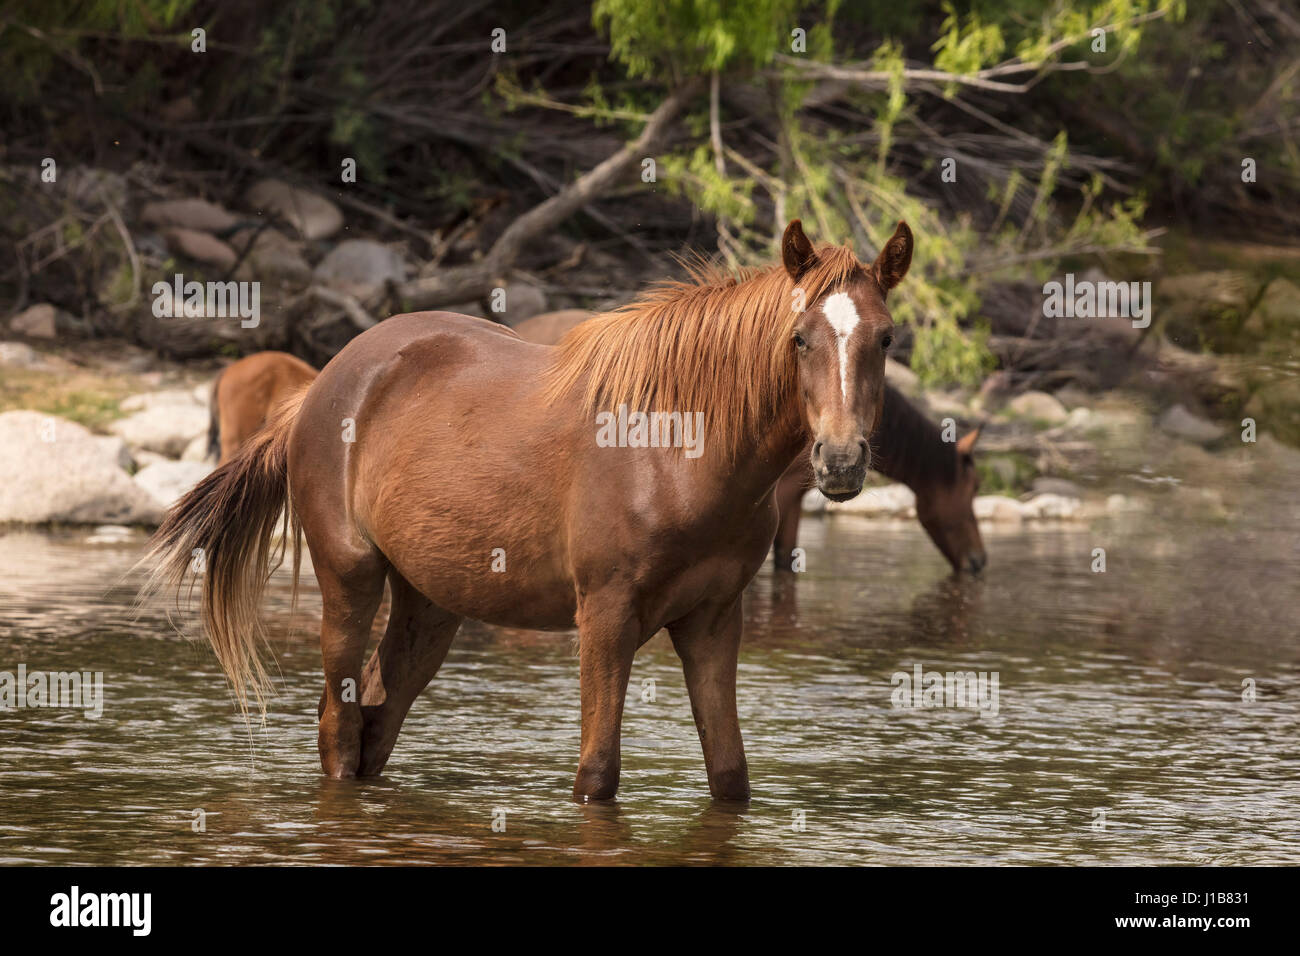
667	39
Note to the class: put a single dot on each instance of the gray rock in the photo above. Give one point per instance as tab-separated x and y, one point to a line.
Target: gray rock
38	322
1038	407
75	478
312	215
18	355
522	300
201	247
1181	423
998	508
164	422
167	481
196	214
360	267
887	501
1051	507
197	449
1055	486
273	257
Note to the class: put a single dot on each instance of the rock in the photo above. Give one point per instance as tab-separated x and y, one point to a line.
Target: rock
902	378
110	534
1055	486
143	459
274	257
146	400
166	423
467	308
998	508
167	481
201	247
521	300
76	478
190	214
360	267
202	393
37	322
1038	407
197	449
1051	506
1073	397
948	405
887	501
18	355
312	215
1181	423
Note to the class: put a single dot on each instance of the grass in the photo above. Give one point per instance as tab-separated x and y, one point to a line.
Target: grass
90	399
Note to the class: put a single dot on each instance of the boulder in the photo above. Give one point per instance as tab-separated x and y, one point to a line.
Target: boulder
18	355
1055	486
163	422
1180	423
887	501
273	257
1038	407
521	300
201	247
998	508
167	481
56	471
360	267
197	449
312	215
1050	506
38	322
190	214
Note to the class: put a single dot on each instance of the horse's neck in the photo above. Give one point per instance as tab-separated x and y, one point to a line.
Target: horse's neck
906	444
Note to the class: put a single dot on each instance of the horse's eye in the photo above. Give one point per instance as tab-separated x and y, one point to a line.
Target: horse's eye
799	343
886	342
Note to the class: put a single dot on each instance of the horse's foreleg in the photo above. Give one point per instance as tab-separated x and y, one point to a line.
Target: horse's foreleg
350	602
608	637
413	648
709	647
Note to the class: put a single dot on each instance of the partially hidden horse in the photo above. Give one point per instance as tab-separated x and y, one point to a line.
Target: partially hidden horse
485	477
244	393
907	447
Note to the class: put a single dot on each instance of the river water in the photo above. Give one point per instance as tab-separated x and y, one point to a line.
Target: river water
1121	733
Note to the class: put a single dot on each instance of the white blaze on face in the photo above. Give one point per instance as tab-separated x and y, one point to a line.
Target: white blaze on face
842	314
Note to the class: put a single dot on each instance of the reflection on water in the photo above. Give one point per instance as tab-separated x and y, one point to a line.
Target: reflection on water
1120	704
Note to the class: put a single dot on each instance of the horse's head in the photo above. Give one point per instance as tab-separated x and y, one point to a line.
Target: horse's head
946	510
841	338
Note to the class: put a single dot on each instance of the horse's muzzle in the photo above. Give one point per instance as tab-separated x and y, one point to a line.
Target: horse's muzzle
840	469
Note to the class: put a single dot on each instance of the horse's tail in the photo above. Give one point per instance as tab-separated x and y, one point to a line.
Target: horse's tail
214	419
221	533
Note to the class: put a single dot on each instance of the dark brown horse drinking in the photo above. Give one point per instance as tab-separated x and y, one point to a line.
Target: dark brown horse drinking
910	449
475	473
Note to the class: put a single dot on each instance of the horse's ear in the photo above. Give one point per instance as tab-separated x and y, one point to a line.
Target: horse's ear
796	251
893	261
966	444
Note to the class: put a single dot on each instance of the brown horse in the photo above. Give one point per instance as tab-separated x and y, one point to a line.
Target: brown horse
484	477
244	394
907	447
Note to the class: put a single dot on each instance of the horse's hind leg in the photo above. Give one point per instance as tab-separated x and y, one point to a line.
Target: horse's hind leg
350	601
407	658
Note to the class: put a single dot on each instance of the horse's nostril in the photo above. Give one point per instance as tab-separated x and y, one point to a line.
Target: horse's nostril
817	450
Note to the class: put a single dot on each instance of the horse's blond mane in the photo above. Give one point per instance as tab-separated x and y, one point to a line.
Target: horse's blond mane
717	343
